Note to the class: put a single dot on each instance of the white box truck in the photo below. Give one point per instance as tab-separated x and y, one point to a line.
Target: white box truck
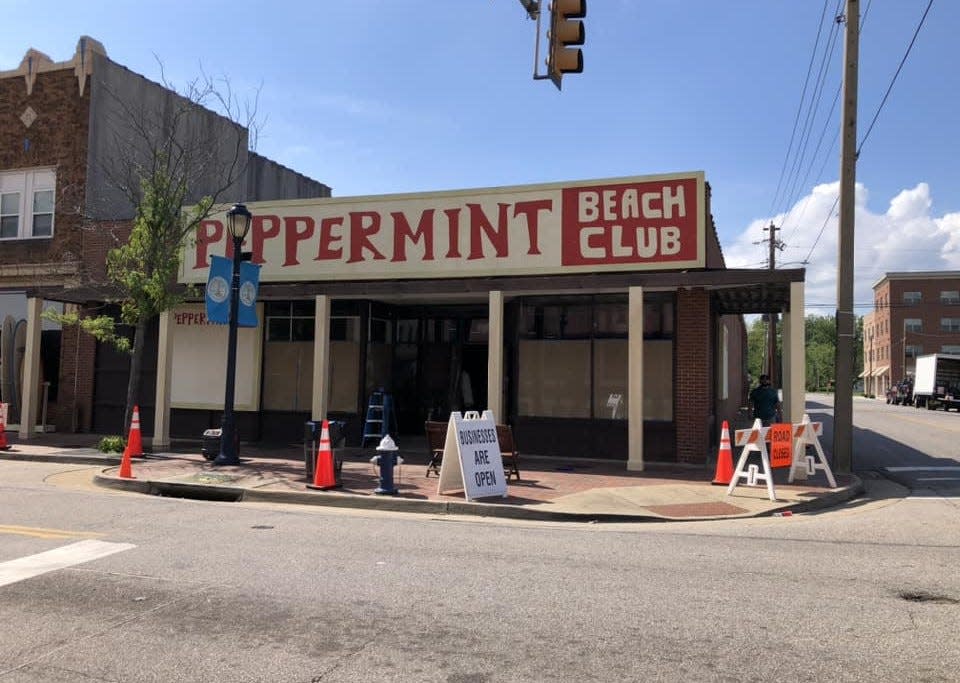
936	382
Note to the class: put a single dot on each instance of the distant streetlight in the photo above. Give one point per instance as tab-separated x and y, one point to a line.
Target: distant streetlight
238	223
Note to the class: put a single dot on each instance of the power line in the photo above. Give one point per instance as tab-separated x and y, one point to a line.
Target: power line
803	95
895	75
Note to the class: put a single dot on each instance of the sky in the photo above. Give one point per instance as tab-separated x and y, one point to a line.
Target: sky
383	96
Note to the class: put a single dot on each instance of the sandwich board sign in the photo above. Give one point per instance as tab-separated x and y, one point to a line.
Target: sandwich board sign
471	457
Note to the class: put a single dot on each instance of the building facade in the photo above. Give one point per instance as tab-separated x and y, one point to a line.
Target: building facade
914	313
597	317
66	130
594	316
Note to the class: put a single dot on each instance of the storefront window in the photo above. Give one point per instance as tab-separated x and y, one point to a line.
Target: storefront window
573	358
288	357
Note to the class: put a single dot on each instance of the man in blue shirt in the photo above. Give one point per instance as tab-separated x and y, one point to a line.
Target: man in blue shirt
766	401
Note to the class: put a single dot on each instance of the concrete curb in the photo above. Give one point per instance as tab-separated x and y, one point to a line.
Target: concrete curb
60	457
437	507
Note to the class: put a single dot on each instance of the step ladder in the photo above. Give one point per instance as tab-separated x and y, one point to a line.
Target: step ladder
380	417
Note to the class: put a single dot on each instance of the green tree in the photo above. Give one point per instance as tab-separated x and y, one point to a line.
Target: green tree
163	159
820	336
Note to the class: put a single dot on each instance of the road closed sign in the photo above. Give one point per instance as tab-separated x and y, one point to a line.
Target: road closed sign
471	457
781	445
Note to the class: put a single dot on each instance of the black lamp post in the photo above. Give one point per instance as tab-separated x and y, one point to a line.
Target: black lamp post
238	223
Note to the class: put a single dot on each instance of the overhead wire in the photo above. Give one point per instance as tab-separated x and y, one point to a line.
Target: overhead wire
803	95
895	75
797	183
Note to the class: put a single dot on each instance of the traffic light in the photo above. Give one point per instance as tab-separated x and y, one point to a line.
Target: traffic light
565	29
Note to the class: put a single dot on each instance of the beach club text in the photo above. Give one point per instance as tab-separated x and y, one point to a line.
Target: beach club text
627	224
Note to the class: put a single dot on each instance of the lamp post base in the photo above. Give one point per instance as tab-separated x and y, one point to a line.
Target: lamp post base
226	460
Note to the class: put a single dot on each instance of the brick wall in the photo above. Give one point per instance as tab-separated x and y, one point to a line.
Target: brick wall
57	138
694	394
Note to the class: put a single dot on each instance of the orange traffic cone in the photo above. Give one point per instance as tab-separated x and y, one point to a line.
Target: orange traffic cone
134	444
323	474
126	470
724	458
4	446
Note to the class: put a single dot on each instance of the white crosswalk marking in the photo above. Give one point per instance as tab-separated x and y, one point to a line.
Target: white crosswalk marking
58	558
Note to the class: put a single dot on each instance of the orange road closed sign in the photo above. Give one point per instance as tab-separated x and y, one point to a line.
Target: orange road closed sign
781	445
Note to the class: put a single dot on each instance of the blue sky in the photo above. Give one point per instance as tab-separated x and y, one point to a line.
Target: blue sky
381	96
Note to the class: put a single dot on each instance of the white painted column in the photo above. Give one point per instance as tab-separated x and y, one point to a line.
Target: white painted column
161	412
321	359
635	380
795	356
495	357
29	394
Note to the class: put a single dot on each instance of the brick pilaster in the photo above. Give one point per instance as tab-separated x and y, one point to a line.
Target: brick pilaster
694	386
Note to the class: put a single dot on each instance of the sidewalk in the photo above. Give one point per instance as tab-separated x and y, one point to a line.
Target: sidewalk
549	489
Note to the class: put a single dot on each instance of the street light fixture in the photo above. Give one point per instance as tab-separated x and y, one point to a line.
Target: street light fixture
238	224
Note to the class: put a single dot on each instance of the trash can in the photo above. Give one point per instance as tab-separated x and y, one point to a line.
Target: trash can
311	444
210	443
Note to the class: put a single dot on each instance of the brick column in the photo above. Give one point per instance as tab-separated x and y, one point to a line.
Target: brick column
694	388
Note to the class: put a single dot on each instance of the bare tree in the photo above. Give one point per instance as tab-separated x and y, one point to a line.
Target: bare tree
172	159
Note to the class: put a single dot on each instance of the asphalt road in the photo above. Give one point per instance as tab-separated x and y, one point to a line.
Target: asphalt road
242	592
917	448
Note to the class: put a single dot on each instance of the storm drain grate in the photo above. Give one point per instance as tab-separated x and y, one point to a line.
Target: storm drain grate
923	596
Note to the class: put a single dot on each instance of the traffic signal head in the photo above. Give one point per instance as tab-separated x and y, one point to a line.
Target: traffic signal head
566	29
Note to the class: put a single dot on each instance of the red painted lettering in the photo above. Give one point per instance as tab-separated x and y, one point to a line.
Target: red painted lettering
363	224
531	211
261	233
498	237
453	232
326	252
208	232
293	236
402	232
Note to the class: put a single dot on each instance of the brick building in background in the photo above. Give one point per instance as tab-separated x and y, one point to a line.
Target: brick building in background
61	130
915	313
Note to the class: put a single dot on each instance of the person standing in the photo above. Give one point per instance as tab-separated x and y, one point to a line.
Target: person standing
766	401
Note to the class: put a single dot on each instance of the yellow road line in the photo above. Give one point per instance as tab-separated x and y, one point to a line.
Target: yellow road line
37	532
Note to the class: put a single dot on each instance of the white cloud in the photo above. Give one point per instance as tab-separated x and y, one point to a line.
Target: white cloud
906	237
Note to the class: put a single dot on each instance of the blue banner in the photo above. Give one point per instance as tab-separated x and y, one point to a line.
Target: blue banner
249	282
218	290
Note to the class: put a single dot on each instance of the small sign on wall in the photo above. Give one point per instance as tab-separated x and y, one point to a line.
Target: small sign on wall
471	457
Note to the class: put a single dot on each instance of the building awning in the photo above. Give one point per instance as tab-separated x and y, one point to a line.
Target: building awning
882	370
865	373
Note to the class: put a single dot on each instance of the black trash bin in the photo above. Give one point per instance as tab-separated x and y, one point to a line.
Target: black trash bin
311	444
210	443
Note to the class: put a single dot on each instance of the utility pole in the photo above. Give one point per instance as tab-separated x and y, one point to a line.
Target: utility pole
843	361
772	317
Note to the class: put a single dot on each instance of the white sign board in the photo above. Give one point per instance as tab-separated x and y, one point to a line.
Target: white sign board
471	457
655	222
200	361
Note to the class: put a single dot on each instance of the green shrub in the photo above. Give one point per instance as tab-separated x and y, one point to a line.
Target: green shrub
112	444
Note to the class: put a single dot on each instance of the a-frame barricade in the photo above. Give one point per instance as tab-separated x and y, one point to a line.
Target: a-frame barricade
753	440
808	433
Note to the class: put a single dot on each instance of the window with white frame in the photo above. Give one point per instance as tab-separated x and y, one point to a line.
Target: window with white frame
950	324
911	298
950	348
913	325
27	203
951	297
